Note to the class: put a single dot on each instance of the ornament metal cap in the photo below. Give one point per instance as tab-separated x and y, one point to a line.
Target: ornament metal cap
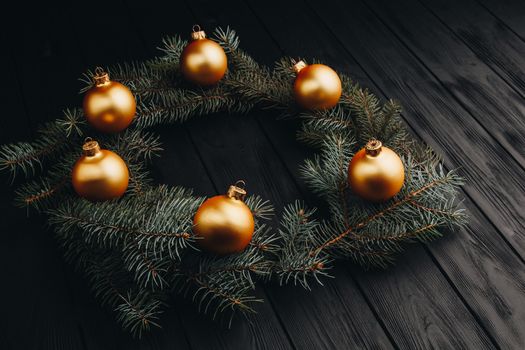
237	192
299	66
101	77
197	33
90	147
373	147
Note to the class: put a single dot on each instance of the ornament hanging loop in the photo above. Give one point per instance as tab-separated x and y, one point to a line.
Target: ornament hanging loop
197	33
99	70
241	184
237	191
373	147
101	77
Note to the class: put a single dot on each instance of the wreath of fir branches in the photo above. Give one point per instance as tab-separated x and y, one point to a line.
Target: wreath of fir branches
139	250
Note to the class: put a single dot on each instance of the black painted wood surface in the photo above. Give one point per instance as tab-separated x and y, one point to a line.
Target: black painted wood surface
457	68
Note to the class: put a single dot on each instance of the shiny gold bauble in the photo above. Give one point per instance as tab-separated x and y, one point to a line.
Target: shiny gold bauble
99	174
316	86
224	223
109	106
203	62
376	173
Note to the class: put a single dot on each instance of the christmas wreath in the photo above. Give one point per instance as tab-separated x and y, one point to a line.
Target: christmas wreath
138	242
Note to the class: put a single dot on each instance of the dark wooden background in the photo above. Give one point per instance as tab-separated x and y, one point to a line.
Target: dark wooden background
458	67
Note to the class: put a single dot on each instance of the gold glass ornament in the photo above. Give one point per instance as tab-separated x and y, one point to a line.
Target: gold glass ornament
109	106
99	174
203	61
376	173
225	223
316	86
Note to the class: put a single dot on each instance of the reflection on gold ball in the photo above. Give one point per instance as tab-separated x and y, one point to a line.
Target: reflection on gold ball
316	87
376	173
109	106
225	224
203	62
99	174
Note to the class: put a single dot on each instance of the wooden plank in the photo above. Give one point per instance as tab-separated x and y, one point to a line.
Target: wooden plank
253	159
107	45
405	19
264	331
464	252
14	125
301	322
491	41
327	301
41	53
39	306
286	36
443	123
511	12
487	97
36	305
23	253
283	30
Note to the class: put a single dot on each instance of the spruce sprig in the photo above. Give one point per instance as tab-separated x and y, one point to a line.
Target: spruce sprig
140	250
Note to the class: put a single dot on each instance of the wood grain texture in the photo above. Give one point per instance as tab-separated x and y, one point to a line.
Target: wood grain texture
42	55
308	310
15	124
489	39
202	333
464	291
98	325
38	311
480	238
246	158
496	106
253	159
438	119
457	260
316	41
510	12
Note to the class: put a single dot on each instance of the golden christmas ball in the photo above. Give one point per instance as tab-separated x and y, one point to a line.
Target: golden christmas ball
99	174
109	106
225	223
376	173
316	86
203	61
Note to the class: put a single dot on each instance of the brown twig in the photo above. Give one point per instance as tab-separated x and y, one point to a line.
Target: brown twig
33	156
373	217
45	194
195	100
183	235
232	299
397	237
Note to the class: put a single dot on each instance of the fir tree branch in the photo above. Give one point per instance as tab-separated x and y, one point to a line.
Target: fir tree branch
407	199
135	249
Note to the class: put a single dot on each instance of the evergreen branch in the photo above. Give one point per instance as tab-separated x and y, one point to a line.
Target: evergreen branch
407	199
419	232
294	263
260	208
134	249
212	291
137	309
39	195
137	313
54	138
181	105
164	226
